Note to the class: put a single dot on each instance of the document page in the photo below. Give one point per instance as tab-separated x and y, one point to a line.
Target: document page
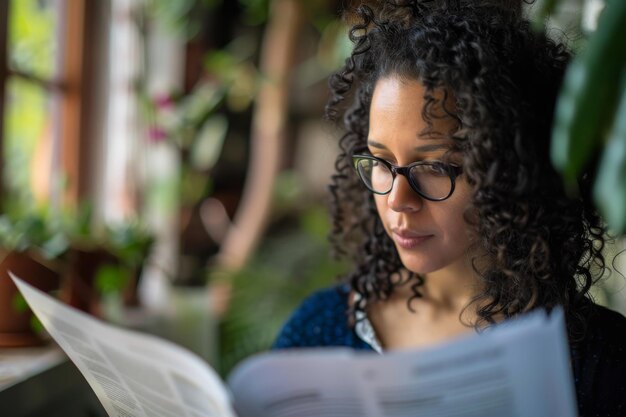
517	369
302	383
133	374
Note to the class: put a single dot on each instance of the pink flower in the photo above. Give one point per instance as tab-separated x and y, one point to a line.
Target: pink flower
163	101
156	134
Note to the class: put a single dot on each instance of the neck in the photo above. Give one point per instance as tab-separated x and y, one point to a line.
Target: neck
447	289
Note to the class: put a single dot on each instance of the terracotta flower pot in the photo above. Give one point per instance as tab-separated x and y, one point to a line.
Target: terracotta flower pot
79	288
15	324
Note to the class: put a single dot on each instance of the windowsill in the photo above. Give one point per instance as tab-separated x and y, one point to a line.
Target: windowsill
38	382
19	364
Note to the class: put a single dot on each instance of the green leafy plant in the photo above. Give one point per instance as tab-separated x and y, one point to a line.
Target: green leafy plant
591	115
32	246
292	263
124	247
32	231
130	243
192	125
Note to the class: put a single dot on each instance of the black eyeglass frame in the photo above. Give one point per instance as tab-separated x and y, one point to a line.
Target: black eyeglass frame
453	171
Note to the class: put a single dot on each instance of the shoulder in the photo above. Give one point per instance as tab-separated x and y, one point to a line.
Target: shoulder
325	302
320	320
606	331
599	362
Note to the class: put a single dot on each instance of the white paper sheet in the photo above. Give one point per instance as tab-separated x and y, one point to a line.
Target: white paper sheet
133	374
517	369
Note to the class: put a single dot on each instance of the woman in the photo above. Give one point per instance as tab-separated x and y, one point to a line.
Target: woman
445	198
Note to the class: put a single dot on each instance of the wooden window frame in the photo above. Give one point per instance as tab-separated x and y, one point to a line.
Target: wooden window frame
72	78
4	36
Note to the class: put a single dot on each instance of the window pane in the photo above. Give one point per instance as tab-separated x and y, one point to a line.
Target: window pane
28	141
33	41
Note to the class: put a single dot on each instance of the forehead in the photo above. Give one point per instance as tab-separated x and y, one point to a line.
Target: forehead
404	111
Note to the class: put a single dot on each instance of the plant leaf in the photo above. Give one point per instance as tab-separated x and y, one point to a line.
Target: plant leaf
208	144
111	278
610	186
587	101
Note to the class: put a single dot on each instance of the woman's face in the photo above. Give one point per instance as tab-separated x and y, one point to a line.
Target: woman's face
429	235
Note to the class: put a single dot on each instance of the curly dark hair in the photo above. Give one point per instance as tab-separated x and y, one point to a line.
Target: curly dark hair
543	246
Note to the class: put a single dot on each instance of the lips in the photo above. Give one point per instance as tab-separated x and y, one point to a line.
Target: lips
408	239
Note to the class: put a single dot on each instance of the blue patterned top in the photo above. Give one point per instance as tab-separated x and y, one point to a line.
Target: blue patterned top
321	320
598	361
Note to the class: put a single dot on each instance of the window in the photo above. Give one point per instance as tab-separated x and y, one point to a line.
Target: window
42	79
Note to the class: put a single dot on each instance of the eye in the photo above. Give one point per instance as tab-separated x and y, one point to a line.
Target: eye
434	168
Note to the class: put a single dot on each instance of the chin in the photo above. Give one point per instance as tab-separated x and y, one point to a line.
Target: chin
420	263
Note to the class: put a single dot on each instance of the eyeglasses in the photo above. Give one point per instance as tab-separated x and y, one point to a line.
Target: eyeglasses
432	180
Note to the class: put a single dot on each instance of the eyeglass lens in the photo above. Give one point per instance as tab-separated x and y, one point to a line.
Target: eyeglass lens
432	180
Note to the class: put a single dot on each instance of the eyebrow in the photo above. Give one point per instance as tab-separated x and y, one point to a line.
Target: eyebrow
422	148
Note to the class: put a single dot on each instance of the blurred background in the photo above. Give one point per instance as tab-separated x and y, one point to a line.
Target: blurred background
164	162
170	155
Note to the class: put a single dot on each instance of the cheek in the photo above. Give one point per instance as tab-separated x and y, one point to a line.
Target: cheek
454	214
381	203
381	206
383	211
449	220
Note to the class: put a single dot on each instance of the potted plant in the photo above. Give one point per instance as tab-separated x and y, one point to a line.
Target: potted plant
130	243
103	260
31	247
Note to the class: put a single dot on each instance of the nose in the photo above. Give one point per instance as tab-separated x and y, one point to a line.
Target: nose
402	198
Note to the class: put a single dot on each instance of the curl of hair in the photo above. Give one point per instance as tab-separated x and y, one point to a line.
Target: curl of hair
543	247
